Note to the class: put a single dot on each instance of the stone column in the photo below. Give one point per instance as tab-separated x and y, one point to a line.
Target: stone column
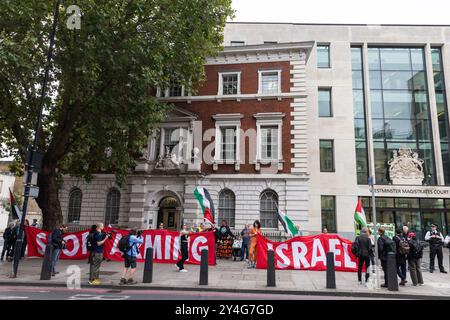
137	202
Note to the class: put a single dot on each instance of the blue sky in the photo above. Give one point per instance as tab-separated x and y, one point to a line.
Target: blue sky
344	11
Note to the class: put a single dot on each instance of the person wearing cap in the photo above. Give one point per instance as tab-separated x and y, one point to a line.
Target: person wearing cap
436	240
414	259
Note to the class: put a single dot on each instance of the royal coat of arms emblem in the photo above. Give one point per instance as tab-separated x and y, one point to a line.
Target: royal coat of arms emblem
406	168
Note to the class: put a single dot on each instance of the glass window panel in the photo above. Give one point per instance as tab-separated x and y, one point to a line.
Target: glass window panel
439	83
357	77
397	80
432	203
380	162
269	142
375	79
269	83
398	104
395	59
269	209
358	103
376	99
378	129
384	202
399	129
423	130
356	59
74	210
325	103
360	129
328	205
227	204
417	59
326	156
421	105
228	143
230	84
407	203
323	56
419	80
436	58
361	162
374	59
112	207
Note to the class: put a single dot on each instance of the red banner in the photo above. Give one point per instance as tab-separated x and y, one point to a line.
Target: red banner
307	253
166	245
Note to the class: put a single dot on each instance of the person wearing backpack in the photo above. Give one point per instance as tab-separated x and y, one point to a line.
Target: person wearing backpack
7	236
414	259
129	249
363	251
90	243
385	245
97	255
402	249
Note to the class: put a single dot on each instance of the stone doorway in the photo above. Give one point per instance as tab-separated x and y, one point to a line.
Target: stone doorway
169	213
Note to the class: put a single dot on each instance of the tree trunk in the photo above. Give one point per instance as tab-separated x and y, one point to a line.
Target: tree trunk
48	199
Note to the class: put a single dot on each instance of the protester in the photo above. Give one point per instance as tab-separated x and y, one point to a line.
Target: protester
161	226
402	250
58	243
7	240
414	259
436	240
372	240
201	228
224	249
237	248
90	243
364	253
325	231
35	223
385	245
184	242
97	255
245	234
135	238
24	243
253	235
405	232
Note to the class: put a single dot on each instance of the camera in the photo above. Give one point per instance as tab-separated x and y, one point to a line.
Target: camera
139	233
107	234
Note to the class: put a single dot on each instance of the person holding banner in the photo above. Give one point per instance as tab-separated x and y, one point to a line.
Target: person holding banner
224	249
184	242
256	229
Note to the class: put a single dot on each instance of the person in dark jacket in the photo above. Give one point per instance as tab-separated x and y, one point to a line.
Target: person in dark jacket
365	252
58	243
414	259
24	243
400	257
385	245
245	234
7	236
224	249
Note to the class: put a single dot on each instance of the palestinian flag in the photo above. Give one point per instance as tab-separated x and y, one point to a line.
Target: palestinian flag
204	198
287	223
15	211
360	216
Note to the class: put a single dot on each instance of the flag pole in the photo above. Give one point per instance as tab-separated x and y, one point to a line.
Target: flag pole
374	214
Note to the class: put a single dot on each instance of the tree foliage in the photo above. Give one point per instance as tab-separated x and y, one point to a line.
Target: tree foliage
102	77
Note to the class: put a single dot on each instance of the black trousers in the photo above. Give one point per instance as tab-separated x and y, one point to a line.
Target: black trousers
436	250
6	249
361	262
184	256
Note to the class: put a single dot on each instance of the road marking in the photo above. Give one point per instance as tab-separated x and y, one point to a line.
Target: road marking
81	296
12	297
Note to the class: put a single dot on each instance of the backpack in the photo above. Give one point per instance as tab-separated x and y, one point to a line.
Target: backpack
124	244
403	246
356	249
90	243
416	249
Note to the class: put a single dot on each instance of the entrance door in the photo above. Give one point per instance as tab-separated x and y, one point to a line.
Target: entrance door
438	218
169	214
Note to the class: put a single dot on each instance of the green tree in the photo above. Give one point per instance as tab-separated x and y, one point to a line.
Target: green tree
101	106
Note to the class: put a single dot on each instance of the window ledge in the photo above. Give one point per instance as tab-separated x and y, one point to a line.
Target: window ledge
237	164
260	162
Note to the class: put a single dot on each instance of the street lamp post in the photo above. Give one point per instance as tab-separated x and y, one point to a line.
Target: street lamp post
374	215
33	156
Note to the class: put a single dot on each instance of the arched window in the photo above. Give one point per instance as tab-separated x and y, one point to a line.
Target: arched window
269	209
74	211
227	203
112	207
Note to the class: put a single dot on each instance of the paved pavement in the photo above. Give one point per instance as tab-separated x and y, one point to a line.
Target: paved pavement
62	293
226	276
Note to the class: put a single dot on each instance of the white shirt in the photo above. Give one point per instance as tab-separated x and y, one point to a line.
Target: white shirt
428	236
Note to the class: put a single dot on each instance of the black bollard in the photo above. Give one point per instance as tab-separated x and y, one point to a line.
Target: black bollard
331	273
392	272
204	268
46	271
271	280
148	266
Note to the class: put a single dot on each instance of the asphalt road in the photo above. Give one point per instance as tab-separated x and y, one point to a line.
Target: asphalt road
60	293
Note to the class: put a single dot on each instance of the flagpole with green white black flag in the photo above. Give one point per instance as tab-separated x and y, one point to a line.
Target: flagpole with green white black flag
286	222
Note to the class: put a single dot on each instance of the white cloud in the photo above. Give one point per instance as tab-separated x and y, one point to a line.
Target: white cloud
344	11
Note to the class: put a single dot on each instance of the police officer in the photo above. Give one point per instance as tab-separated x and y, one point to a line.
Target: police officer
436	240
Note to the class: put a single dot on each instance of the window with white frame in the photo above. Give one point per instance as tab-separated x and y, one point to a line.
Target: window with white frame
228	143
269	82
174	140
269	142
175	90
229	83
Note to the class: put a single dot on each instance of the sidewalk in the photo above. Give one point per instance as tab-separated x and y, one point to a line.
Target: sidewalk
230	276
